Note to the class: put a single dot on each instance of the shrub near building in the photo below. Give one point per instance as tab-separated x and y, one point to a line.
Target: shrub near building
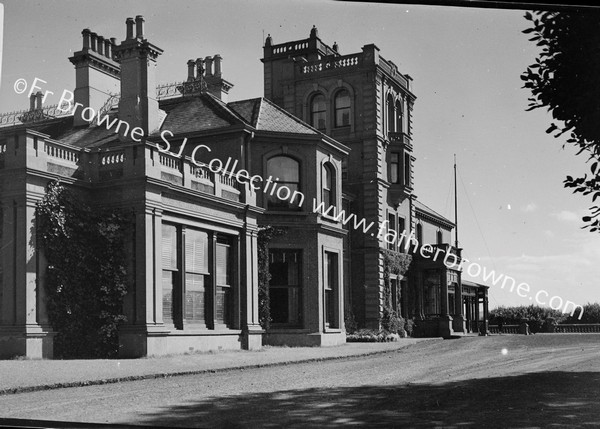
536	316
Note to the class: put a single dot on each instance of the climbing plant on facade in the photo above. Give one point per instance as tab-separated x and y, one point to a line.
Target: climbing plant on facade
394	263
265	235
86	276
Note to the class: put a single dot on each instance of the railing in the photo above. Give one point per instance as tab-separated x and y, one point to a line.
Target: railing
61	152
446	248
331	64
170	161
112	158
227	180
112	102
201	173
578	328
289	47
37	115
506	329
178	89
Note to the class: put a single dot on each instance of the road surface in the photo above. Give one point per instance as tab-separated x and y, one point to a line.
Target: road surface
498	381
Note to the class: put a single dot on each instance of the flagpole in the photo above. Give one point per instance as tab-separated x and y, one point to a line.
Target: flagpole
455	207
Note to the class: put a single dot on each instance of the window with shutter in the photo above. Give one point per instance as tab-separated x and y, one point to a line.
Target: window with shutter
196	268
170	272
223	296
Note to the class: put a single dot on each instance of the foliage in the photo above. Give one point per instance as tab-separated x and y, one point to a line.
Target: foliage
535	316
350	324
265	235
564	79
409	327
86	274
398	264
591	314
370	336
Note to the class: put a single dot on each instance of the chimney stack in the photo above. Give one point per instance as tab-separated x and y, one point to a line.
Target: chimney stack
129	23
32	102
208	61
199	68
138	106
96	73
86	38
191	67
217	61
38	100
101	45
94	37
139	27
215	83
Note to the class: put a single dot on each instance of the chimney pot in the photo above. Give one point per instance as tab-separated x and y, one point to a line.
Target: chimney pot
129	22
93	37
107	51
101	45
218	61
191	66
32	102
139	27
208	61
38	100
199	68
86	38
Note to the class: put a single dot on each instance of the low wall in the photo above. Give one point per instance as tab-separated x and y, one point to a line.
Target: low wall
580	328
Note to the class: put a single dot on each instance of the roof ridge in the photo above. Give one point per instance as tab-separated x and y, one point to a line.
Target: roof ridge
221	105
433	212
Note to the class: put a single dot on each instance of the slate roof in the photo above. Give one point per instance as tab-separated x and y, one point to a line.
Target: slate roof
264	115
427	210
187	115
193	114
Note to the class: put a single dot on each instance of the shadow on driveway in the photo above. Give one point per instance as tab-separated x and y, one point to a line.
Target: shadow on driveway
559	399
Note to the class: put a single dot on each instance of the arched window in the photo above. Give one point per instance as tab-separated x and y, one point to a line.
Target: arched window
328	186
318	112
398	116
284	193
391	119
342	108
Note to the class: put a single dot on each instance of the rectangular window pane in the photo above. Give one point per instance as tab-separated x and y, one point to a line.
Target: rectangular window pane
196	252
331	289
394	167
406	169
167	287
285	289
169	247
170	274
223	264
401	227
194	297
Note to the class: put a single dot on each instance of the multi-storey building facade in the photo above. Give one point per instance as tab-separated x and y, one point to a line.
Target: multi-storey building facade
365	102
202	175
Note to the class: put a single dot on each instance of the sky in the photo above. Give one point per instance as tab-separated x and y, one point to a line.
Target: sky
514	217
